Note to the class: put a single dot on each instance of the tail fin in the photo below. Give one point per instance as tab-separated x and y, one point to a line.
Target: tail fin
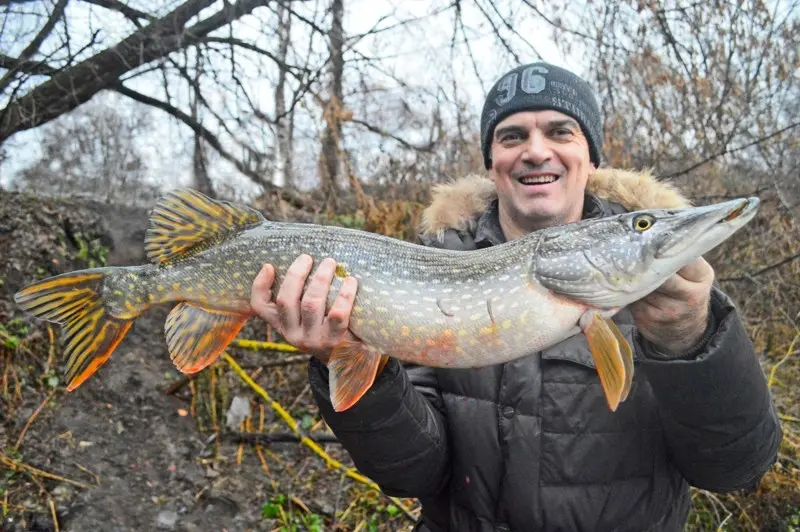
75	301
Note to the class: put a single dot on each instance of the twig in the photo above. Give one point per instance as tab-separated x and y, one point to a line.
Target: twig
304	439
33	416
19	508
789	352
53	513
288	361
19	466
732	150
258	447
255	345
279	437
51	351
88	472
180	383
750	276
785	417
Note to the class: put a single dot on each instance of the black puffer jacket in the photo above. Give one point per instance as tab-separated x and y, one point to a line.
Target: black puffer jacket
531	444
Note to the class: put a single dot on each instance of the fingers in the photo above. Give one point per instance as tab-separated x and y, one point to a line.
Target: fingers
313	305
698	271
693	279
288	298
261	295
301	309
339	315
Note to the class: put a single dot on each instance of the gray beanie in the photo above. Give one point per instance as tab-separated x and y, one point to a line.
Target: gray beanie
542	86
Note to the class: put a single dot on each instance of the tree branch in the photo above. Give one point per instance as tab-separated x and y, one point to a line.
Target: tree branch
26	66
233	41
78	84
732	150
259	438
129	12
288	195
386	134
33	46
751	276
198	128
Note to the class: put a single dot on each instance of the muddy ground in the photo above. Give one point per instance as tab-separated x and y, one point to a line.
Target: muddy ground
142	447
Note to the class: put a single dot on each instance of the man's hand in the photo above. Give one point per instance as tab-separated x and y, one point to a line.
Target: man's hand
300	317
675	316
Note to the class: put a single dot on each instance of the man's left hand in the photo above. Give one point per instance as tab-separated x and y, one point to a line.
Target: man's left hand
674	317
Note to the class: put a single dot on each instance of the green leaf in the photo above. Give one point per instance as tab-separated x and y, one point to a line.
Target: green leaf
270	510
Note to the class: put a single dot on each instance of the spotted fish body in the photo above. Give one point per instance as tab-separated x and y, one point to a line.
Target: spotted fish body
418	304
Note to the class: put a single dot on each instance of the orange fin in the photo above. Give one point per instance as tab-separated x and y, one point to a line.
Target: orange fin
75	301
627	358
352	369
185	222
606	344
196	336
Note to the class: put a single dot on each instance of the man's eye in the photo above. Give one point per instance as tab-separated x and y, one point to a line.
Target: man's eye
510	137
561	132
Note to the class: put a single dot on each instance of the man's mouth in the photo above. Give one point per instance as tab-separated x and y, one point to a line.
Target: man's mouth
538	179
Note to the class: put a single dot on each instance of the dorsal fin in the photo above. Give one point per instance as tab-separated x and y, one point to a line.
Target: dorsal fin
185	222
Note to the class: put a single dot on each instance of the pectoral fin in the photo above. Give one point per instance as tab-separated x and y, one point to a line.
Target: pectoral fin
196	337
612	355
352	369
627	358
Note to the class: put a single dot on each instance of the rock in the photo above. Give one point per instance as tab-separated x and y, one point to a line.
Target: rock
167	520
238	411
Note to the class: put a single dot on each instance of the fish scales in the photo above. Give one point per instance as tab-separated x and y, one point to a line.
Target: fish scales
423	305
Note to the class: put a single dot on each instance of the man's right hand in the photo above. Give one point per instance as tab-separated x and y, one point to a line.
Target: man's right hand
300	317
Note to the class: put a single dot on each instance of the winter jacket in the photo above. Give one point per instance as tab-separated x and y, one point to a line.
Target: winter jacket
531	444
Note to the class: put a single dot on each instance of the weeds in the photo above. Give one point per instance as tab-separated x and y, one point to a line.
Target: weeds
91	251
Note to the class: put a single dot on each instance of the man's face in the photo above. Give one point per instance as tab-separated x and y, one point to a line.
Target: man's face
540	165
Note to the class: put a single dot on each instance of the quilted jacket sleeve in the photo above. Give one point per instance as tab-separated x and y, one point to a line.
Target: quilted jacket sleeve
396	433
717	411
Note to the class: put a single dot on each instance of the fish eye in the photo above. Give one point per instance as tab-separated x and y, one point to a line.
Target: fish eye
643	222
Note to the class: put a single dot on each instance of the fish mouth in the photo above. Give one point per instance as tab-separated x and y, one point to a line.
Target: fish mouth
706	227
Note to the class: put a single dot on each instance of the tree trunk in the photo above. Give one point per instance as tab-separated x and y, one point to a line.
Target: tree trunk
199	167
331	155
283	152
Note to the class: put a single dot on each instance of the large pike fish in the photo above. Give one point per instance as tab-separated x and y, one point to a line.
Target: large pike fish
428	306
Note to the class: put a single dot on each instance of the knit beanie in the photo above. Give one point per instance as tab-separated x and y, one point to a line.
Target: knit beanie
540	86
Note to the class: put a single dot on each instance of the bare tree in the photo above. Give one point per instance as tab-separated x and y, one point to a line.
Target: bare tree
92	151
284	118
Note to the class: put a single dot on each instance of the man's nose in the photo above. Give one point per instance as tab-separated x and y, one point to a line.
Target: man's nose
537	149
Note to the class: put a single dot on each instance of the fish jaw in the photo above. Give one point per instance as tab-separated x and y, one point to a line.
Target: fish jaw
614	261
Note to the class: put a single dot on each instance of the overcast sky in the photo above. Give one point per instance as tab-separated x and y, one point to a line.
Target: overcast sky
419	54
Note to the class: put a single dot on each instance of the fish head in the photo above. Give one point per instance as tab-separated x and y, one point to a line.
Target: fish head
613	261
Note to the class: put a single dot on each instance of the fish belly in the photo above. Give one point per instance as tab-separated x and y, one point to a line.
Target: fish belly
462	326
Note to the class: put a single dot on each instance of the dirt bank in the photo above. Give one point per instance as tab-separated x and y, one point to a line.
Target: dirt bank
146	459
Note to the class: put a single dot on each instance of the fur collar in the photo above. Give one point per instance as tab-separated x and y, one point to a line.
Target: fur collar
455	204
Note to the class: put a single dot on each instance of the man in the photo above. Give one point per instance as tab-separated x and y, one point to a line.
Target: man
531	444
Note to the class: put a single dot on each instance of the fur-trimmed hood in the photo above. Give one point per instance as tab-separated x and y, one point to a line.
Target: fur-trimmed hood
455	204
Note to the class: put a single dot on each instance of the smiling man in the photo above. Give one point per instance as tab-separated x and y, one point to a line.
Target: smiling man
531	444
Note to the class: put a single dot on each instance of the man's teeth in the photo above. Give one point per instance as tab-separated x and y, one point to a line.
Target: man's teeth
537	180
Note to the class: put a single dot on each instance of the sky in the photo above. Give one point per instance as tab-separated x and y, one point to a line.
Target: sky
419	54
